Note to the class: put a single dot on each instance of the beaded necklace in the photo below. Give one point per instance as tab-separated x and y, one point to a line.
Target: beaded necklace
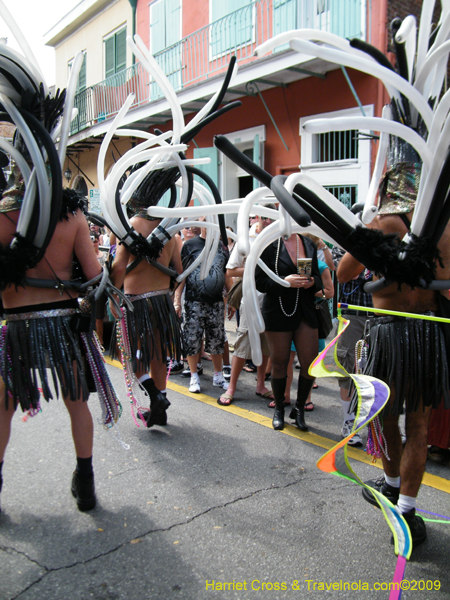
298	289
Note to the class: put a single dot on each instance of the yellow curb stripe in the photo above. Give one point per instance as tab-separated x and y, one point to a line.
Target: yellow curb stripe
433	481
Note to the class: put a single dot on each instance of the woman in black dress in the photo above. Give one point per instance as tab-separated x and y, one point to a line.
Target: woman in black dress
290	316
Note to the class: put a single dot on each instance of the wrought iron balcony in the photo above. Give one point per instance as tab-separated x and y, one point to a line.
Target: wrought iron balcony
206	52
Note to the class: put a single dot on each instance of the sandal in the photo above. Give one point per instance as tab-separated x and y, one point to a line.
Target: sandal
225	400
268	395
309	406
272	404
315	386
249	369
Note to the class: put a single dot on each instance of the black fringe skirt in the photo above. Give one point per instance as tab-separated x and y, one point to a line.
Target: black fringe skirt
34	341
153	329
410	356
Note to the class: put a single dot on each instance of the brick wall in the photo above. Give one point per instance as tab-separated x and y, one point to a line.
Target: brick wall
403	8
6	130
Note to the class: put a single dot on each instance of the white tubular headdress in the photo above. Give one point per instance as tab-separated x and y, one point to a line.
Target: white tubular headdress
36	185
144	174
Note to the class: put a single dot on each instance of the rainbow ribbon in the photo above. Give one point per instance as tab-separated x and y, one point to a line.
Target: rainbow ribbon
373	395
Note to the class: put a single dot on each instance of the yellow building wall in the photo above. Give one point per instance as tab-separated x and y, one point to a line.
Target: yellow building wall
90	38
87	162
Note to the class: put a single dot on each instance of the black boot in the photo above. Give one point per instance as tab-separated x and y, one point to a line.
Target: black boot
298	412
158	403
161	420
83	490
278	389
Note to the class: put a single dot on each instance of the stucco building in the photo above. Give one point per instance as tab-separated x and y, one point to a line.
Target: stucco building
193	41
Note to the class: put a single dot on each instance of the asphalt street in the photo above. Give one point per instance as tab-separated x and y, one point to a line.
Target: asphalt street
215	505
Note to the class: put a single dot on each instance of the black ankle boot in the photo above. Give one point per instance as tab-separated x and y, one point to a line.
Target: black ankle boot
298	412
158	403
278	389
83	490
161	420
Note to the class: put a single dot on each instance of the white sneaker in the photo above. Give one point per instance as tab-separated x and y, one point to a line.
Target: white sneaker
346	431
226	372
194	386
219	381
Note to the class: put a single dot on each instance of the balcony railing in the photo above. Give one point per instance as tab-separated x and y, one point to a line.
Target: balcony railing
206	52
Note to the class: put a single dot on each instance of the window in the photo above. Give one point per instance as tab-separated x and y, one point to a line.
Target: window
347	194
115	53
338	160
336	145
231	24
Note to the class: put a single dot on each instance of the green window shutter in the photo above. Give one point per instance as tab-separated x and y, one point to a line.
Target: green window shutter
121	50
173	54
110	66
157	26
81	84
218	8
158	38
211	169
173	12
116	53
349	26
284	16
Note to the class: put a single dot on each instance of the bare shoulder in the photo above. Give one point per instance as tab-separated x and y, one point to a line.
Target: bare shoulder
144	226
67	230
390	224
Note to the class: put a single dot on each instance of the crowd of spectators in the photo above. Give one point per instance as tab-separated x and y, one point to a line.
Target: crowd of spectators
201	306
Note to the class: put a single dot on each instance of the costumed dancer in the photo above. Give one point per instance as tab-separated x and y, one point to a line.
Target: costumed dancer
44	239
45	326
410	355
146	248
152	329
